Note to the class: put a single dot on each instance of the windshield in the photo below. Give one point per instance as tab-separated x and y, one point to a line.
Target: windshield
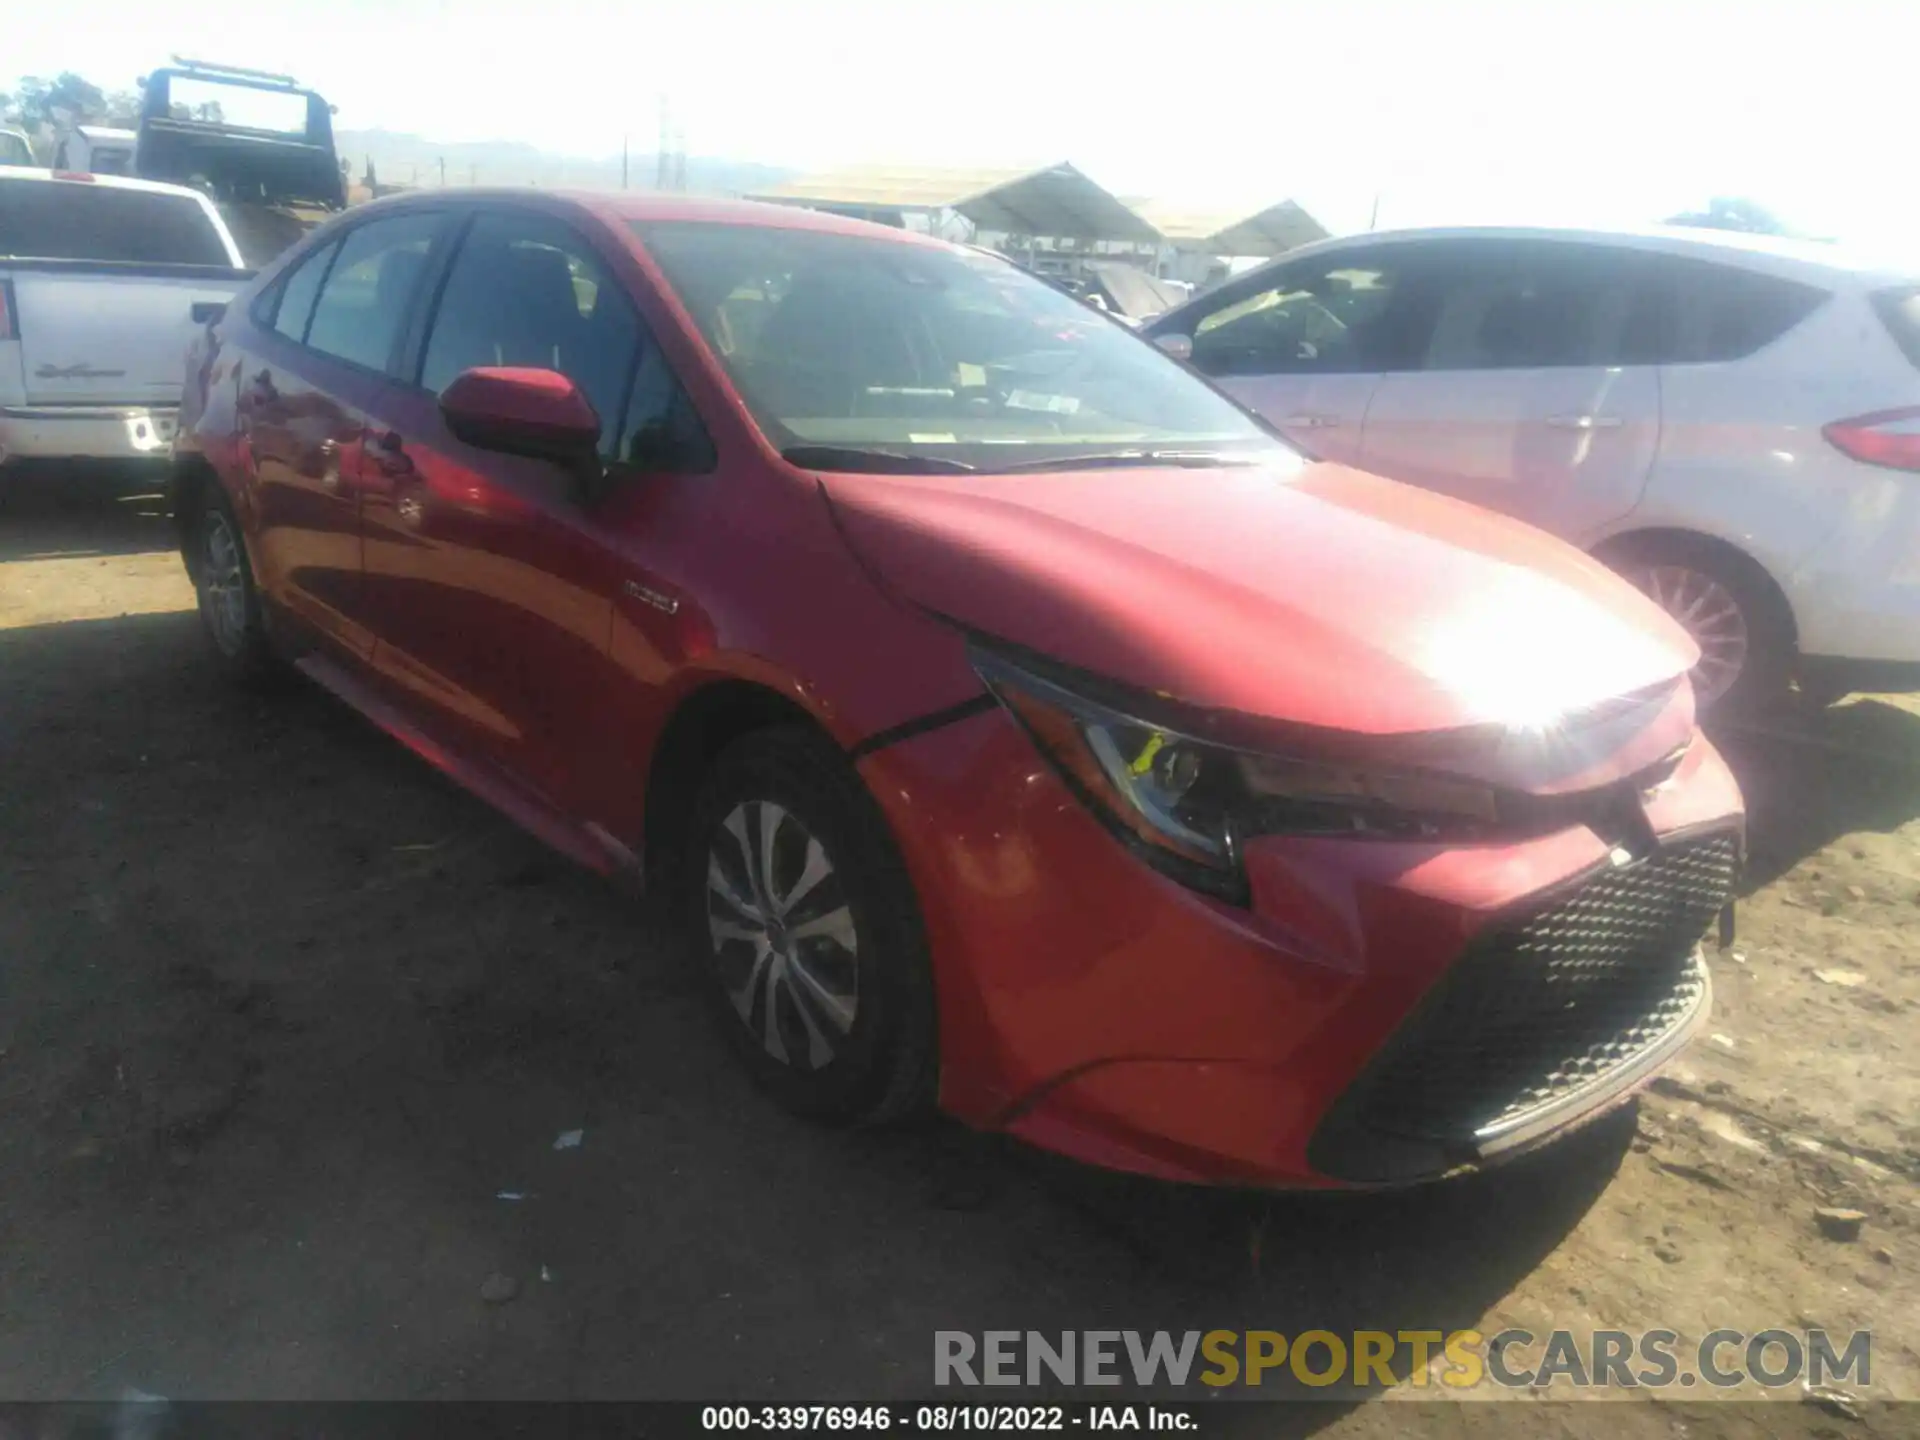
930	353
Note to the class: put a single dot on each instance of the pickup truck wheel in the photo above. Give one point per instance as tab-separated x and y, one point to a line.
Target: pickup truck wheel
800	915
223	582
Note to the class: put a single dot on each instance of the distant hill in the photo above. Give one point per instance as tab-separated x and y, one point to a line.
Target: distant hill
413	160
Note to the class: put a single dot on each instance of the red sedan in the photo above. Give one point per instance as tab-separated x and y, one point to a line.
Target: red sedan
1015	724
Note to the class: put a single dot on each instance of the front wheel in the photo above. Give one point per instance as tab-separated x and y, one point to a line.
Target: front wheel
799	912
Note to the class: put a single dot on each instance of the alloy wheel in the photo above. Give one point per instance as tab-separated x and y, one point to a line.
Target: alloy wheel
782	934
223	592
1710	613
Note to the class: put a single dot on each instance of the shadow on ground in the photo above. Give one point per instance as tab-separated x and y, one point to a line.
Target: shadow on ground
1808	782
289	1028
56	513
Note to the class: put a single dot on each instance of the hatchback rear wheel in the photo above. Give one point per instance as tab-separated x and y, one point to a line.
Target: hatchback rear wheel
800	915
1740	624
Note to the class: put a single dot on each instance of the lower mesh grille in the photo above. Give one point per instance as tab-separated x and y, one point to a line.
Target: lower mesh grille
1537	1011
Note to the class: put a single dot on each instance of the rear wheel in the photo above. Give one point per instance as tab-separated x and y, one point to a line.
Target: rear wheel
800	915
1734	615
223	582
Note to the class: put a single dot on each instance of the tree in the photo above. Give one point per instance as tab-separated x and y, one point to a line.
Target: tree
42	102
1733	213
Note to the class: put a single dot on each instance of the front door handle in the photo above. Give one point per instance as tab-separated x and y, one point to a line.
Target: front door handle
1585	422
330	464
1310	422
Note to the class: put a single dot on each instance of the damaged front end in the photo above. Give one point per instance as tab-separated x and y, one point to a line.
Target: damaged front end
1188	789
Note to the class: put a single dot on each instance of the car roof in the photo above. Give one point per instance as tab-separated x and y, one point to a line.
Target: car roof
617	207
1816	261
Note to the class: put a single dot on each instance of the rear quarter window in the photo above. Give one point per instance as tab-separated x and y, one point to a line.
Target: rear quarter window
76	220
1900	313
1699	312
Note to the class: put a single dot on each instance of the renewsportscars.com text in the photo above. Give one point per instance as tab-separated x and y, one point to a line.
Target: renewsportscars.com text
1454	1359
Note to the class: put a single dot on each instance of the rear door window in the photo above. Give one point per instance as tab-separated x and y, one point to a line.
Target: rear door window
364	301
299	291
84	220
1526	305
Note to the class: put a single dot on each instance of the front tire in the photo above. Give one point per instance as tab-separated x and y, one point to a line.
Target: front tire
800	915
229	605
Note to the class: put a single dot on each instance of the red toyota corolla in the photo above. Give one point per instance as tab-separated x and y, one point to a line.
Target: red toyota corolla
1016	724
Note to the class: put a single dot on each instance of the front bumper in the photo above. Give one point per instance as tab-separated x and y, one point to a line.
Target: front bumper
1091	1006
87	432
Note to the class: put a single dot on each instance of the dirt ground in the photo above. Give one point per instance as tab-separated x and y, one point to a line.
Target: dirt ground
284	1017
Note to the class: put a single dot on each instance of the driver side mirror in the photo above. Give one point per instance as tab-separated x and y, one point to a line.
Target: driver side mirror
537	413
1179	346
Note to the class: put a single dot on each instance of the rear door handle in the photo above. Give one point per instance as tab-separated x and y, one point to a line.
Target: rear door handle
1585	422
1310	422
390	454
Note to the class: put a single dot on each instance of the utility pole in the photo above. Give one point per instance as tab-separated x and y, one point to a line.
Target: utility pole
443	172
1373	220
663	161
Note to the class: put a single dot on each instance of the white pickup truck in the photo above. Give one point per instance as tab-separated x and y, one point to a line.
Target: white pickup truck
104	282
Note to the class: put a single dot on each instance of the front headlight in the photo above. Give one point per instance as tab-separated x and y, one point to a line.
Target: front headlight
1191	802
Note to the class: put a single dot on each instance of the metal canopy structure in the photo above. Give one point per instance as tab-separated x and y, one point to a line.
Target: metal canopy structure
1272	231
1056	201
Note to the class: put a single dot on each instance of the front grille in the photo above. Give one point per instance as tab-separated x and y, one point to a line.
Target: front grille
1541	1009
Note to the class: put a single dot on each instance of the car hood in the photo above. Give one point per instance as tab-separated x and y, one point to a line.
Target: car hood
1312	594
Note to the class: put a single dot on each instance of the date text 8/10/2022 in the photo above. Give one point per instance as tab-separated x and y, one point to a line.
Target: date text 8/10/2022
943	1419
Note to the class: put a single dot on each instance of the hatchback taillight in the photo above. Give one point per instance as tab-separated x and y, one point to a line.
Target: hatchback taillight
1887	437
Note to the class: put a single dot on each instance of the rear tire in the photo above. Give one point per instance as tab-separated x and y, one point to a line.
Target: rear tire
797	909
230	612
1735	615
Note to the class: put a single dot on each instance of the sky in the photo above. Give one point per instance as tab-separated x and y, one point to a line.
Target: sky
1451	112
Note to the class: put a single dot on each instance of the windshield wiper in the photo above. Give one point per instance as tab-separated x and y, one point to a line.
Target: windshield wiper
859	461
1114	459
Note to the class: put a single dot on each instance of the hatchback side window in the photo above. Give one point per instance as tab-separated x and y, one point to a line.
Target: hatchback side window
298	292
526	290
1334	316
363	303
1691	311
1520	305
